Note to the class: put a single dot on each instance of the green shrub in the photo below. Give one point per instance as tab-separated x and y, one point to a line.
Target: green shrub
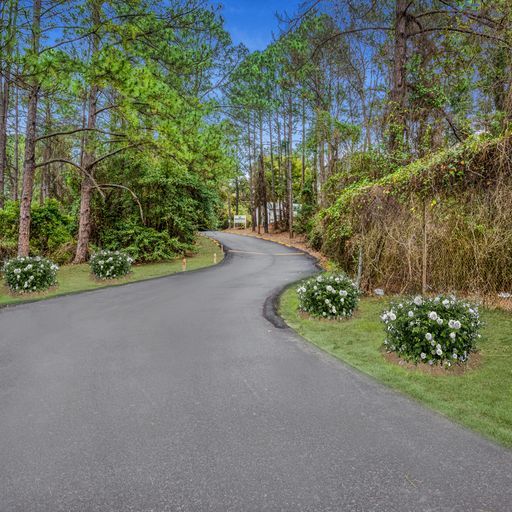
144	245
328	296
110	264
51	231
30	274
440	330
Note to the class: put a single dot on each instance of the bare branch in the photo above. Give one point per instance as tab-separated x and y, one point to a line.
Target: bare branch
73	164
112	185
77	130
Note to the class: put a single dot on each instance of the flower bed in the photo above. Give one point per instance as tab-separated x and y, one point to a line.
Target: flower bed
110	264
332	296
441	330
30	274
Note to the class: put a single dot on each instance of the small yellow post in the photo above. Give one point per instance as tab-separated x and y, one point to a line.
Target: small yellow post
214	257
184	264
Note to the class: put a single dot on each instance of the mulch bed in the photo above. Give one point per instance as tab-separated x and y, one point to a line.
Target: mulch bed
457	369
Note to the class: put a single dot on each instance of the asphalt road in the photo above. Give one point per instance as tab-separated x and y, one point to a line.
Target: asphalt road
178	395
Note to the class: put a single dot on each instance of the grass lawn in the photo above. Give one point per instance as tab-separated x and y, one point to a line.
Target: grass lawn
480	399
75	278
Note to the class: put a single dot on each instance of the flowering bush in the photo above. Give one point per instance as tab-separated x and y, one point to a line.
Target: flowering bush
328	296
440	330
110	264
30	274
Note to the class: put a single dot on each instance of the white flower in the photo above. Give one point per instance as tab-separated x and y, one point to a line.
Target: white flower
343	293
423	355
392	316
454	355
440	321
329	288
452	335
432	343
439	352
454	324
428	336
446	303
410	314
432	315
418	300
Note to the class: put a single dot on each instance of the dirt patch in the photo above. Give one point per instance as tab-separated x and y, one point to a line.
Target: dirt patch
457	369
283	238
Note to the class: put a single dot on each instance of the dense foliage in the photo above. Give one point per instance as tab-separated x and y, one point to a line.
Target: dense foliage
440	330
30	274
118	151
389	124
332	296
110	264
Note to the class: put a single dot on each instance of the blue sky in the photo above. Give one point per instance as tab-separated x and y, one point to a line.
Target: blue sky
252	21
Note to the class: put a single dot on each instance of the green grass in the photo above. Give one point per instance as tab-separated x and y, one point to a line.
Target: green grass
76	278
480	399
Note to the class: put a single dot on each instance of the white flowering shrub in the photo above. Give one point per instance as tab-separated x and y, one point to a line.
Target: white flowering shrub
441	330
328	296
30	274
110	264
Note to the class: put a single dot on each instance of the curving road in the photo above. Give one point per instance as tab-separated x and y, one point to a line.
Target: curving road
177	395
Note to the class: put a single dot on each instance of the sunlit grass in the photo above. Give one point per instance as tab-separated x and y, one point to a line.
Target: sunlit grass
480	399
75	278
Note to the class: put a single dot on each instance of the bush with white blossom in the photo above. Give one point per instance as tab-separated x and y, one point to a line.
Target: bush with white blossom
328	296
110	264
27	274
440	330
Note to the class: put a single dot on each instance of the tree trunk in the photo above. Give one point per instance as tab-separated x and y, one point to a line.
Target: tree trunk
29	164
273	173
263	183
16	168
237	195
289	170
4	107
279	165
396	121
5	89
87	187
251	180
303	143
321	172
47	153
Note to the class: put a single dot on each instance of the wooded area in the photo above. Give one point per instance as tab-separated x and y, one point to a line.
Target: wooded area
131	124
388	122
109	130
